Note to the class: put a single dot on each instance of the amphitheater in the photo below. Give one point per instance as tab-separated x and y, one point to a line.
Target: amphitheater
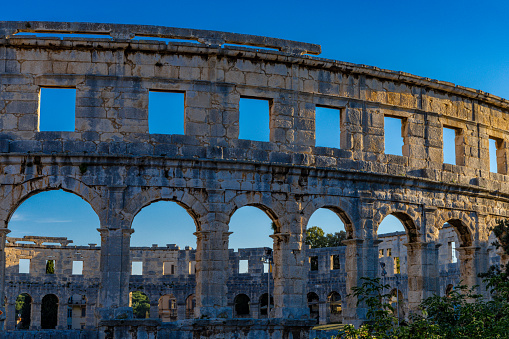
112	162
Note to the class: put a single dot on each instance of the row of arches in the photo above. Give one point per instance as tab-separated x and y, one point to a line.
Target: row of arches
344	208
49	311
408	221
152	223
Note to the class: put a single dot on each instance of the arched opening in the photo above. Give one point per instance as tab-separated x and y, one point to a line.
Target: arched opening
462	231
53	214
447	252
190	305
241	302
167	308
76	312
49	311
164	221
313	304
23	311
394	232
251	228
392	254
334	307
263	304
168	225
140	304
327	227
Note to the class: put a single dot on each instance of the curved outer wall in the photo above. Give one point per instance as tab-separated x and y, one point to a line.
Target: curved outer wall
112	161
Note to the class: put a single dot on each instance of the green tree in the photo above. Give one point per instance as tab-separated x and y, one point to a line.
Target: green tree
140	304
50	266
317	238
23	309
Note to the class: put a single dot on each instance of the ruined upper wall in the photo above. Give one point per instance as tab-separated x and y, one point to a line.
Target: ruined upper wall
113	77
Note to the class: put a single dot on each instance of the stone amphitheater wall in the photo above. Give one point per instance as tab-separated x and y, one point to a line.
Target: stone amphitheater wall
112	162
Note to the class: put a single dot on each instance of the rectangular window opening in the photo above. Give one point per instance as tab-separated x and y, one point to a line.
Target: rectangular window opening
57	107
327	127
397	267
24	266
313	262
254	119
497	156
454	259
77	267
380	253
50	266
335	265
168	268
393	135
137	268
192	267
243	266
166	112
449	142
389	252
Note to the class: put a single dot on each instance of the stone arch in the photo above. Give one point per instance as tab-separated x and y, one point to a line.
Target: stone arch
167	307
194	207
313	304
241	305
343	208
273	208
190	306
25	312
49	311
463	224
408	215
140	302
29	188
263	301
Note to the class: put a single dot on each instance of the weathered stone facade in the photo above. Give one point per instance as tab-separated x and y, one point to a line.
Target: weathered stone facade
112	162
161	283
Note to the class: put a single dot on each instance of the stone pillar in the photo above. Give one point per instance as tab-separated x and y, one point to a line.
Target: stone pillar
354	265
10	320
90	318
181	311
115	267
422	270
62	315
212	269
322	312
35	315
154	310
3	234
253	309
290	276
473	260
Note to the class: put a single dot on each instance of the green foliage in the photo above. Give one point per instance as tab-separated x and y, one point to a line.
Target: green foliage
50	267
23	309
316	237
501	231
460	314
140	305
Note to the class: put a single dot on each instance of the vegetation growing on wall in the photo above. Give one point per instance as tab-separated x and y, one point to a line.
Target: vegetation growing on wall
460	314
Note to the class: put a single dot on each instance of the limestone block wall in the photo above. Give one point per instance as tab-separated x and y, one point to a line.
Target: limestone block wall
114	163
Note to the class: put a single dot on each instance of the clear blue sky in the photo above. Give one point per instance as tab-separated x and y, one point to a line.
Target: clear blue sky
463	42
